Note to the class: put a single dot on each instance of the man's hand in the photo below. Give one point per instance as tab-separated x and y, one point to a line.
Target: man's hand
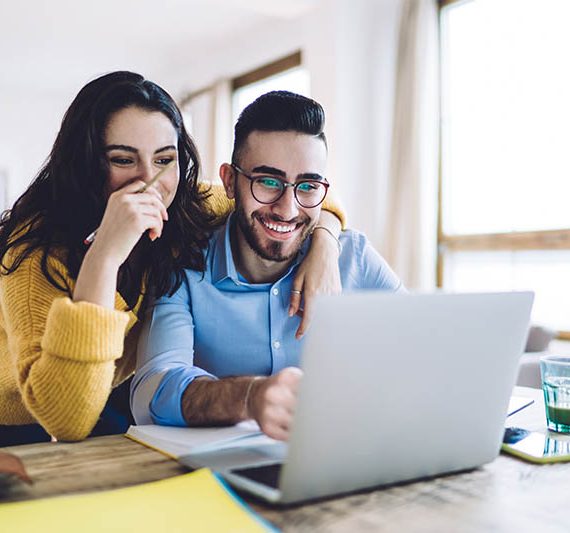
271	402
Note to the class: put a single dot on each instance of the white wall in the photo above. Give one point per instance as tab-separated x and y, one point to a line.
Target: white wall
28	126
353	71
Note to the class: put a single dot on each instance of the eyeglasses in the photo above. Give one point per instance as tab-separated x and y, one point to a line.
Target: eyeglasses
267	189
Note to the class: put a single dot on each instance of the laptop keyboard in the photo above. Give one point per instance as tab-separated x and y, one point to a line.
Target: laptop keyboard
266	475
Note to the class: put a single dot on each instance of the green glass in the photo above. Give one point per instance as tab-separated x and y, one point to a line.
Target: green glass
555	373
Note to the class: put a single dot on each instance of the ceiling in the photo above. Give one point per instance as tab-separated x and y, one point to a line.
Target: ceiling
58	45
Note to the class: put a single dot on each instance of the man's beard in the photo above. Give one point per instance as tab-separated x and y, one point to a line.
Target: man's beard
274	251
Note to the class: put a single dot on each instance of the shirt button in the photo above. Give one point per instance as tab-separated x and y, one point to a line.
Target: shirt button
275	291
277	345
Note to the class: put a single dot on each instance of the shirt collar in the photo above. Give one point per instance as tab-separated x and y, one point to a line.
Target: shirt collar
223	265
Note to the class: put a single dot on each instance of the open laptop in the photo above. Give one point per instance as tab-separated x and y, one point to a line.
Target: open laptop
396	387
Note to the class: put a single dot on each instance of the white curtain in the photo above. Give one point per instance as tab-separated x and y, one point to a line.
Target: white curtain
411	222
208	118
380	93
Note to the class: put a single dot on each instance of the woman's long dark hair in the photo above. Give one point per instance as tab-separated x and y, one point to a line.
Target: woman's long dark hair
67	199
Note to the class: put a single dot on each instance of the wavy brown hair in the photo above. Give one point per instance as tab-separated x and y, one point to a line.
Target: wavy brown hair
67	199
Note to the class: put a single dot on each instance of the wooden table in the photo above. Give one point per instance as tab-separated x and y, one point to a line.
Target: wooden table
506	495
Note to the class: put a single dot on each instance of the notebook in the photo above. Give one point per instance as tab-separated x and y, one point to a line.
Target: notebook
396	387
518	403
176	441
192	502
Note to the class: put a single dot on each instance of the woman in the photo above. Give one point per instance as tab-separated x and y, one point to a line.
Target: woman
69	308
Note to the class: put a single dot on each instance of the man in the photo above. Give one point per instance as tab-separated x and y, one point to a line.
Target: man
223	349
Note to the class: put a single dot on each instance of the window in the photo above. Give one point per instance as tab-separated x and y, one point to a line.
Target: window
210	113
505	157
285	74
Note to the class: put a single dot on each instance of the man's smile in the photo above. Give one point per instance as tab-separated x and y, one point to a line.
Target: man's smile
279	230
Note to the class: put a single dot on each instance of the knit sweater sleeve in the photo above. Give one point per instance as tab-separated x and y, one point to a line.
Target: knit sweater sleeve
221	205
63	353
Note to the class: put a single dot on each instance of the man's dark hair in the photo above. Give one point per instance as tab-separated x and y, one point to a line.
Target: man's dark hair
279	111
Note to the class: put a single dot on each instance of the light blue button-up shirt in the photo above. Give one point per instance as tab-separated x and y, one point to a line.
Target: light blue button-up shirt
217	324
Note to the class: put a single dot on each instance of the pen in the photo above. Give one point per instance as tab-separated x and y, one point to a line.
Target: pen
91	237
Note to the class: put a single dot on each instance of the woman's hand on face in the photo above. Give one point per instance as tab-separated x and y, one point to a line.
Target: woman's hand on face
129	213
318	274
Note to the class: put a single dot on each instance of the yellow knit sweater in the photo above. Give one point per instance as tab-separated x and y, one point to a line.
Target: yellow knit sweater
59	359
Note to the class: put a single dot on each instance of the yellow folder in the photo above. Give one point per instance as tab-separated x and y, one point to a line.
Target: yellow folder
191	502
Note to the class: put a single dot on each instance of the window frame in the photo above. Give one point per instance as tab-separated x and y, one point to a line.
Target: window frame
266	71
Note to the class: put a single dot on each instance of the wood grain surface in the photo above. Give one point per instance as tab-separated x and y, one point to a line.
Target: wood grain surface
506	495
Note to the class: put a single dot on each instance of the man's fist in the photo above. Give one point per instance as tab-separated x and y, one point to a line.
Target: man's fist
272	401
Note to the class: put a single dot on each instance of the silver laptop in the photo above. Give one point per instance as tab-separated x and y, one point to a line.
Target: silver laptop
396	387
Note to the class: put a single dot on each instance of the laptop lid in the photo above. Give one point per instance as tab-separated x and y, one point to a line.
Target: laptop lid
400	386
